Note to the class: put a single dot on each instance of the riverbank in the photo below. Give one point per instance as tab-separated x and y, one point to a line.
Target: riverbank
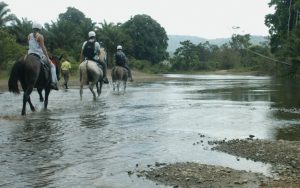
284	156
74	79
139	76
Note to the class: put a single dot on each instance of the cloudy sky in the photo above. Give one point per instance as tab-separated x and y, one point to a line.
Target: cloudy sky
203	18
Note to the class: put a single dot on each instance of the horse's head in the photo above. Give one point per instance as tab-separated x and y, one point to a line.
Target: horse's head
56	61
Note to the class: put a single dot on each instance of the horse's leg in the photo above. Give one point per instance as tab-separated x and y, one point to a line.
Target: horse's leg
47	92
98	88
26	97
30	104
114	86
39	90
91	86
81	91
124	85
118	86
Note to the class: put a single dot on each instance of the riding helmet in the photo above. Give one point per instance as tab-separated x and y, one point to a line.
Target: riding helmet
92	34
36	26
119	47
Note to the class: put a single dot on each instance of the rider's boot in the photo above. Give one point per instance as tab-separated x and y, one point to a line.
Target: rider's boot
53	85
105	80
130	76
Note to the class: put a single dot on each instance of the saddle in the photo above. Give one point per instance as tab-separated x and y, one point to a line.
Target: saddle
45	67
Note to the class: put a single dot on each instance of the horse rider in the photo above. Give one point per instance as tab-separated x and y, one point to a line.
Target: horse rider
37	47
91	50
65	70
121	60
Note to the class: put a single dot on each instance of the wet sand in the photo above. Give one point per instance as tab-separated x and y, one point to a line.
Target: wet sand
284	156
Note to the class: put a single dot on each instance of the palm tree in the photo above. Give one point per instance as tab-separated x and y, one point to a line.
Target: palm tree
112	35
21	29
5	16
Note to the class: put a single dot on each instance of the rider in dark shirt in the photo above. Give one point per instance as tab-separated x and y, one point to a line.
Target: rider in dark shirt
95	51
121	60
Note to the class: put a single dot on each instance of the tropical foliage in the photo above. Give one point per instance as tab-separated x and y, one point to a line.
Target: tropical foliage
284	29
145	42
5	15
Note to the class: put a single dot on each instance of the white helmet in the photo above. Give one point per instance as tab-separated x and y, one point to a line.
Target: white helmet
119	47
92	34
36	26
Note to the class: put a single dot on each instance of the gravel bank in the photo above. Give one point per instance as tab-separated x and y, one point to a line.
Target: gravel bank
284	156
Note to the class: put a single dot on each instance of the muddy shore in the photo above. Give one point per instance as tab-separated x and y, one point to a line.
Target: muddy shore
284	156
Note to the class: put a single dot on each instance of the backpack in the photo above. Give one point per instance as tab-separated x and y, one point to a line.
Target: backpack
89	50
120	58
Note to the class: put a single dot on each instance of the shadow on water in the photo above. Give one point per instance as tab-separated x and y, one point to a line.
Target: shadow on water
33	147
286	108
95	117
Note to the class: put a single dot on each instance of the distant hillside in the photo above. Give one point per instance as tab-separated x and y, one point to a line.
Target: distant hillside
174	41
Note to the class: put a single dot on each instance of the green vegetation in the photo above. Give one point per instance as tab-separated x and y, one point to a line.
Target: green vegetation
145	42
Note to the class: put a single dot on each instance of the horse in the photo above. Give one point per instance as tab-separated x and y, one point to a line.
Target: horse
119	75
31	73
90	74
103	55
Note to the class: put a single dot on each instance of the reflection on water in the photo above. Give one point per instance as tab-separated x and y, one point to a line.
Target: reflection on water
95	143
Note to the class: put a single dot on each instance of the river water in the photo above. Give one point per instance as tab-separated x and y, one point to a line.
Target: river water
96	143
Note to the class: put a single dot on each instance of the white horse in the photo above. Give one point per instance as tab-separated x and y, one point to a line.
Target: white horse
90	74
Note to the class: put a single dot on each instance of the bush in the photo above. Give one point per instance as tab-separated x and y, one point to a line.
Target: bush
10	51
146	66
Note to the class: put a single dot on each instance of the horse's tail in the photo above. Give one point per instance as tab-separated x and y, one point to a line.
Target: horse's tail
83	73
15	76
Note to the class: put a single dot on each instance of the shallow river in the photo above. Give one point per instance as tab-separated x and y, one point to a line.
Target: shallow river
96	143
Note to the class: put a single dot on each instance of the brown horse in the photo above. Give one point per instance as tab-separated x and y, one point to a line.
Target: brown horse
31	73
119	75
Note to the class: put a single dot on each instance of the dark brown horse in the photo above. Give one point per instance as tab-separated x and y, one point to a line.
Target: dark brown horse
119	75
30	72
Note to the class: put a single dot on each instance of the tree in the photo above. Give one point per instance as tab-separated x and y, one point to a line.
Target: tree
112	35
240	43
229	58
149	38
5	16
192	57
284	32
9	49
69	32
21	29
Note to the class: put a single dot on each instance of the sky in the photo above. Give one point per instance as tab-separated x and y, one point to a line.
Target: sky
209	19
